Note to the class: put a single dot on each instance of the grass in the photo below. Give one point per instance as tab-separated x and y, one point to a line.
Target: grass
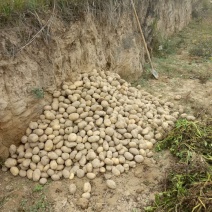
2	201
69	10
202	49
187	54
36	202
188	186
38	188
40	205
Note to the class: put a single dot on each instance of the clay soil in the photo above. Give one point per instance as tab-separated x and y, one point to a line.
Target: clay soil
180	74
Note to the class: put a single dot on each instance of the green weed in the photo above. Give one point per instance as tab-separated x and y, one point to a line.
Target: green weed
202	49
188	186
2	201
38	188
38	93
188	139
40	205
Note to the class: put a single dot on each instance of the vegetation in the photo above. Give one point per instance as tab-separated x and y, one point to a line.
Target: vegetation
38	93
37	201
188	186
38	188
202	49
69	10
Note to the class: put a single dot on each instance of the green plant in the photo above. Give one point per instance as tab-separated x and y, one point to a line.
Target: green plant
38	188
163	47
188	139
40	205
188	186
38	92
202	49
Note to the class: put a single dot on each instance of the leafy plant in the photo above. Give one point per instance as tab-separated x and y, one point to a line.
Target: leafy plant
188	186
187	140
38	188
40	205
38	92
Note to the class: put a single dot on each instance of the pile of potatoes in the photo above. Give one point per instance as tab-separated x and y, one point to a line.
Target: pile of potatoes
94	125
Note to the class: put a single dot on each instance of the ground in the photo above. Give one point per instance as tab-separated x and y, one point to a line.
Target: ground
182	72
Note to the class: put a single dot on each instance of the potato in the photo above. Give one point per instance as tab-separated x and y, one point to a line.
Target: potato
55	177
87	187
33	138
91	176
49	115
43	181
33	125
128	155
53	165
98	123
35	158
14	170
80	173
12	149
86	195
36	175
111	184
74	116
66	174
48	145
10	162
115	171
72	188
29	173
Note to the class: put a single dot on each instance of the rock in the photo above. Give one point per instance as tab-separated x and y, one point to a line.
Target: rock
111	184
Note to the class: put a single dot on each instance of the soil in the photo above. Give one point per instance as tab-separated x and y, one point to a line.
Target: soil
135	189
